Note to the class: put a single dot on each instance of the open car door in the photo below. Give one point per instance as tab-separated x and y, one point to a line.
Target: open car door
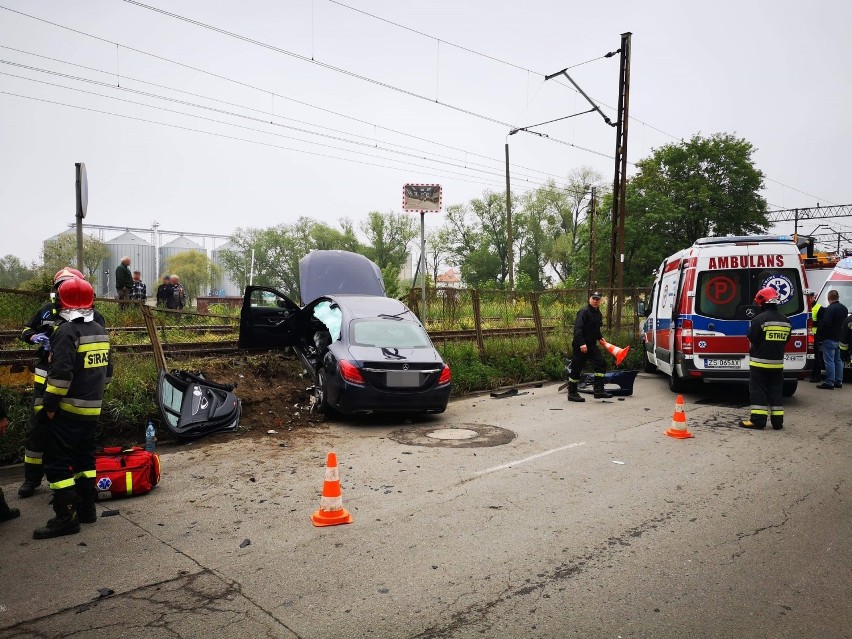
192	406
267	319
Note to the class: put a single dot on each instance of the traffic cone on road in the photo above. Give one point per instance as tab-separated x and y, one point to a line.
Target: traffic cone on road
678	429
331	511
616	351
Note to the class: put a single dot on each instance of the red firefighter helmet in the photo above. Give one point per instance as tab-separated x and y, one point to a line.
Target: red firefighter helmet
76	294
767	295
66	273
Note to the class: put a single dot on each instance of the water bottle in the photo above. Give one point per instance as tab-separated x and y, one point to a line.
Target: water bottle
150	437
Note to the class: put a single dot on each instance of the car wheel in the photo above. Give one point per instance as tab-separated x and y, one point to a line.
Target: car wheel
789	388
676	382
321	394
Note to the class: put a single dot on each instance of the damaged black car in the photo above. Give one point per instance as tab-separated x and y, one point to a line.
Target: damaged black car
364	351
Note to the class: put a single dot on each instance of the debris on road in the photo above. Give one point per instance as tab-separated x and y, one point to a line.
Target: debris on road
110	513
245	542
105	592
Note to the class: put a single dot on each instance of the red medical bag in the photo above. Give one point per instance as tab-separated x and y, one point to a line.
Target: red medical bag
124	472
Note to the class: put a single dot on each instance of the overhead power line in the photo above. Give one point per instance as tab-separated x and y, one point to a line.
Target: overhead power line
349	73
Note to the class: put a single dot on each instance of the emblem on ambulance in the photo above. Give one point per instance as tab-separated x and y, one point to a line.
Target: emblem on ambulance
798	343
782	285
702	344
749	312
104	483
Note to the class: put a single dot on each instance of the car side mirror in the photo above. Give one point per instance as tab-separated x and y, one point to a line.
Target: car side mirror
641	311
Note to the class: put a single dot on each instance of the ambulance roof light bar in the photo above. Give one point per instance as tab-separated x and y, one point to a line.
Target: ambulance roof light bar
742	239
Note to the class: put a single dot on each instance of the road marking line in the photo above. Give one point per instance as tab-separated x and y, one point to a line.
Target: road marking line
530	458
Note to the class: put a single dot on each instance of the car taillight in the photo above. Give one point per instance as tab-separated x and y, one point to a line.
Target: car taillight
446	376
350	372
810	329
686	337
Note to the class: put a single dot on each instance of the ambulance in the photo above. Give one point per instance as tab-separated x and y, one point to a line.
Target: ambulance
702	304
840	280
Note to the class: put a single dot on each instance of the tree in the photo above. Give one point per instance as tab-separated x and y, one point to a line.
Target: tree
62	251
13	272
705	186
388	237
197	273
437	251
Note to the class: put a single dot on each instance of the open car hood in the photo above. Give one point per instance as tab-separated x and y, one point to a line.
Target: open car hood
338	272
192	406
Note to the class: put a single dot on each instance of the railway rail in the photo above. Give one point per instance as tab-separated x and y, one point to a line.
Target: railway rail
229	347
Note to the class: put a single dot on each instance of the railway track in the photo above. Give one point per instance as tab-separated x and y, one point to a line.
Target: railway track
229	347
193	328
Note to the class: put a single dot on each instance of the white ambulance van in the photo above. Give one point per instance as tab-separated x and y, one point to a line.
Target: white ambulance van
840	280
702	305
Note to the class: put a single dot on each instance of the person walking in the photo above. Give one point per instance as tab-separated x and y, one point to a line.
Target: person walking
38	330
138	292
123	281
587	333
164	292
6	513
830	330
768	335
80	370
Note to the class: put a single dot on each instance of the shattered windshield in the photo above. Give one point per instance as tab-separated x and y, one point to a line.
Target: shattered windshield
384	333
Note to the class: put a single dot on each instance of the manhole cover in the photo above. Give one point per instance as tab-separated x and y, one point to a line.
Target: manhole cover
453	433
458	436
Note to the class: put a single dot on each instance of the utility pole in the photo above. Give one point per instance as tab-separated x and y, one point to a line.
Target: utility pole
619	184
511	251
592	238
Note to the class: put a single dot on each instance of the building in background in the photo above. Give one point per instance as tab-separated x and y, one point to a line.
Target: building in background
178	245
142	258
225	286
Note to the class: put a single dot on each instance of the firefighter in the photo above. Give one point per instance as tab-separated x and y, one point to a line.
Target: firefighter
38	331
768	336
79	371
587	332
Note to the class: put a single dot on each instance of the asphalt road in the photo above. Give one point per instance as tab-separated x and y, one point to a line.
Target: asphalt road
581	520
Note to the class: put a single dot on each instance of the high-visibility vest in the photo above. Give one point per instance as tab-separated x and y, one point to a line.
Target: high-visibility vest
814	312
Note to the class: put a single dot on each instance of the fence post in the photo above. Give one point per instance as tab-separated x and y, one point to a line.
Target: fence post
159	356
539	330
477	322
634	302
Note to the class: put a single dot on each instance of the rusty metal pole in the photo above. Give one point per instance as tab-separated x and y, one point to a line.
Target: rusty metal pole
477	322
539	330
624	117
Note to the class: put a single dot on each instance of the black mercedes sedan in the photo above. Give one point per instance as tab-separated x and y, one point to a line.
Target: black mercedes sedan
366	352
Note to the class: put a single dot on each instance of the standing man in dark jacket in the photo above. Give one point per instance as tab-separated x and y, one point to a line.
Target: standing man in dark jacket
829	331
768	334
38	330
123	281
587	333
80	369
164	291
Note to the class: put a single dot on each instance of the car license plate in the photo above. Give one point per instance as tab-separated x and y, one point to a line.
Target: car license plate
403	379
721	363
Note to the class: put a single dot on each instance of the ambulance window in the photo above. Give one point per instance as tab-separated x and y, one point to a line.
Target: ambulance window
721	293
726	294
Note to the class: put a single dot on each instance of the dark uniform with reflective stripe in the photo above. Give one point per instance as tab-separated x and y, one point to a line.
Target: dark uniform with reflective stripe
768	335
587	331
80	369
42	322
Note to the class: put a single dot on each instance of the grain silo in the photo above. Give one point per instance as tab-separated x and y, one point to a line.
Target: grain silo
177	246
225	286
141	254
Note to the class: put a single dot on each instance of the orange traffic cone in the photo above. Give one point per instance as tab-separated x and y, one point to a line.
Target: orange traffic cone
616	351
678	429
331	511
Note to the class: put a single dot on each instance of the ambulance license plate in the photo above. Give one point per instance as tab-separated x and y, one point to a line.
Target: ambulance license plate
721	363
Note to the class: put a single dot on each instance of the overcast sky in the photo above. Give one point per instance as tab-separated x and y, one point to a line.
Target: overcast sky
340	109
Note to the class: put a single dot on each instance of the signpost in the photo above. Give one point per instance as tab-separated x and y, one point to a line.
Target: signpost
82	205
422	198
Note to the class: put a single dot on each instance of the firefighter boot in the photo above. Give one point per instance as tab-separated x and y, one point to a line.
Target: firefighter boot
32	479
573	395
86	511
65	522
7	513
777	422
600	392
